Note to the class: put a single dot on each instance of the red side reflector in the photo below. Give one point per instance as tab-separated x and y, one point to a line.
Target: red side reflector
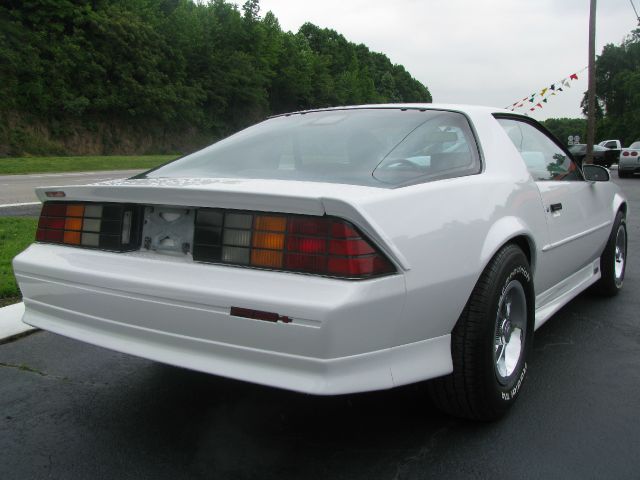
258	315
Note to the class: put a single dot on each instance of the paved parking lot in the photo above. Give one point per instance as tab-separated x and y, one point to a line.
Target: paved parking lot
70	410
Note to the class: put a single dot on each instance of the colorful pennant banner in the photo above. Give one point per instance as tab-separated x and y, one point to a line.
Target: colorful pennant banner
539	97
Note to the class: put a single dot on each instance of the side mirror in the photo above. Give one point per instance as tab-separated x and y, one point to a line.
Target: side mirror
595	173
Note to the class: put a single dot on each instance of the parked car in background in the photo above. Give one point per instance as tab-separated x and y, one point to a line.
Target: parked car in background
614	146
335	251
601	155
629	162
611	144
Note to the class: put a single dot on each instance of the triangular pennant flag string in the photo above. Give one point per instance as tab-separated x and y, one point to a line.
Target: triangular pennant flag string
552	89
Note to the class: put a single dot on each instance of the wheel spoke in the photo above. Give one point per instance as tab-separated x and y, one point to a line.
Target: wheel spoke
502	348
507	308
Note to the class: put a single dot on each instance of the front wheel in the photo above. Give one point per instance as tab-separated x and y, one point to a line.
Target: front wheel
491	341
613	261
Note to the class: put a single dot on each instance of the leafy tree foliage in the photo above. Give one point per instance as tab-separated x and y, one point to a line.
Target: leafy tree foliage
563	128
208	68
618	90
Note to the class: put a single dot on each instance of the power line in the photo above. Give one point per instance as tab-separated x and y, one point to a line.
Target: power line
635	11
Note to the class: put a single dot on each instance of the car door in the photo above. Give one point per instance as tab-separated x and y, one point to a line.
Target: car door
577	212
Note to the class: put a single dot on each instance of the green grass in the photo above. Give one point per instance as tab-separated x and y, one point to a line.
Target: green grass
16	234
22	165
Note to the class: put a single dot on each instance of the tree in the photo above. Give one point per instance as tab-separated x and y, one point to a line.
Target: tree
142	69
618	92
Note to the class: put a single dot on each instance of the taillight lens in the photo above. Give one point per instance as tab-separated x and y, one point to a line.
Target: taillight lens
319	245
625	154
634	154
91	225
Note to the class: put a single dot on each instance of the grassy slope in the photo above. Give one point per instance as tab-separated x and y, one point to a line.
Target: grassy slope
21	165
15	235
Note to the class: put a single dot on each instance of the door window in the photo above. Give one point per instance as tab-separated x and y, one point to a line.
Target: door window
544	159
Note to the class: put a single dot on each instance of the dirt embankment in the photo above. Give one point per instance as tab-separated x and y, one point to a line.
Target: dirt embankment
22	135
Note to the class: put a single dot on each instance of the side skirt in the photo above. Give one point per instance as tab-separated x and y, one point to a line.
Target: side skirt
552	300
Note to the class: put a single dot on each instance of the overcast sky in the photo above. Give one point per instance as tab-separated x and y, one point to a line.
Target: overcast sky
487	52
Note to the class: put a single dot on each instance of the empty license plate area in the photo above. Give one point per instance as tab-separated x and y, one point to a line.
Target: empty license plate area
168	230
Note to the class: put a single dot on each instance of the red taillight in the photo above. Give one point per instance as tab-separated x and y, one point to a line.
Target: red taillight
92	225
634	154
318	245
625	154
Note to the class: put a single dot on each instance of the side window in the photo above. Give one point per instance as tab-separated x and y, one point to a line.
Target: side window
442	147
544	159
611	144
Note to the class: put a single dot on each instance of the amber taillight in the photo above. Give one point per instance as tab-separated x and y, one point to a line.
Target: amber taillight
298	243
89	225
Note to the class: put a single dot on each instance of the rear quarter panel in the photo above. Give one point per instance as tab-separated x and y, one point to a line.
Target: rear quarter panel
449	230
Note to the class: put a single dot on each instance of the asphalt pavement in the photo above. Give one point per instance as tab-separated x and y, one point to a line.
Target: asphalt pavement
17	197
74	411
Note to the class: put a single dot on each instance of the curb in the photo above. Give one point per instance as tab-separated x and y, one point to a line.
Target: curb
11	321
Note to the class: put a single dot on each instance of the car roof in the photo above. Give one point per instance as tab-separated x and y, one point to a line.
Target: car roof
463	108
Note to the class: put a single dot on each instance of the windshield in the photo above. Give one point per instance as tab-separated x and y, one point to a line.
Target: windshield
384	147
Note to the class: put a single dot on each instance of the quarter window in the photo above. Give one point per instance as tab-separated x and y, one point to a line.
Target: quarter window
544	159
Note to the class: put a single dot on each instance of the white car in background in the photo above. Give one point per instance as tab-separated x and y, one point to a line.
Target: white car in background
629	162
335	251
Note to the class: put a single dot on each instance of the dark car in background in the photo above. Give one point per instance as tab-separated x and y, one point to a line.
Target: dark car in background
601	155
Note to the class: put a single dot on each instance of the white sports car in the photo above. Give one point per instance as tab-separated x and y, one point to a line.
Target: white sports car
338	250
629	162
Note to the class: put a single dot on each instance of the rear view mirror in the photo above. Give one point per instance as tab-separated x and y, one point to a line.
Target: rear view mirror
595	173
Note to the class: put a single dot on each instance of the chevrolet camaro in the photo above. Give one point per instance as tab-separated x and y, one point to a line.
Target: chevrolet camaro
335	251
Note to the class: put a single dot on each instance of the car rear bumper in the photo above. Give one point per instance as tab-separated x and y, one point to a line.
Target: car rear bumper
340	338
633	168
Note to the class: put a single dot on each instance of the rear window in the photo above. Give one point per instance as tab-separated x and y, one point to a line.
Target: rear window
376	147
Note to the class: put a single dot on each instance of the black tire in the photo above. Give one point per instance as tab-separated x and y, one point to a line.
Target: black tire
475	389
622	174
613	259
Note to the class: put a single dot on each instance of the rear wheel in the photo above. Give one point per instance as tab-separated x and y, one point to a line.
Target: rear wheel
490	342
613	261
622	174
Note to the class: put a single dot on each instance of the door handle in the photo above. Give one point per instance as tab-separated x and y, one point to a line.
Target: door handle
555	207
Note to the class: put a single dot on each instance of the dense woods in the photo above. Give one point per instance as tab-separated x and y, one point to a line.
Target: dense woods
142	76
618	91
565	127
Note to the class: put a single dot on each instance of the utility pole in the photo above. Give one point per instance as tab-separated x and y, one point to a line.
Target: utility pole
591	93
